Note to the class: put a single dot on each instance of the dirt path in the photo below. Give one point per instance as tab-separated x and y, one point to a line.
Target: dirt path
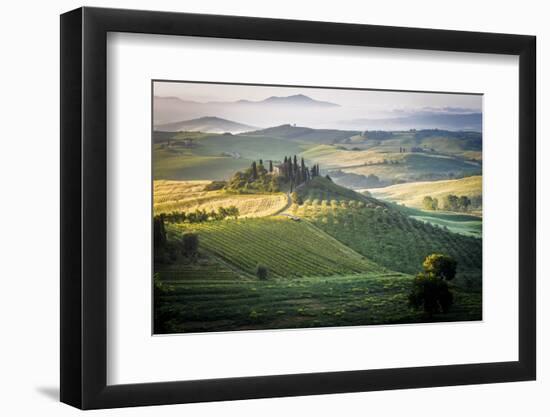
286	206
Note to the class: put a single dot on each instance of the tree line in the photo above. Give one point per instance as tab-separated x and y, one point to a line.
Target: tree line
452	202
198	216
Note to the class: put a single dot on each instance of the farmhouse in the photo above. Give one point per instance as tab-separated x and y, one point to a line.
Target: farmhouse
278	169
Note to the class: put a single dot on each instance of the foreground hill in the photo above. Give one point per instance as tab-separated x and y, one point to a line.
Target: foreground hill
288	248
411	194
332	263
199	304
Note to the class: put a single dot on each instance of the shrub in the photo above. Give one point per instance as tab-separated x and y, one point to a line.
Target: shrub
215	185
262	272
430	294
296	199
190	243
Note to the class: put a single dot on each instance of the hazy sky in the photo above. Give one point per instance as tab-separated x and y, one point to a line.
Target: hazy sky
375	103
357	109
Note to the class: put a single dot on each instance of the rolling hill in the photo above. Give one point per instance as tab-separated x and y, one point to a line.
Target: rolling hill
210	156
389	237
288	248
320	189
305	134
206	124
411	194
191	195
333	264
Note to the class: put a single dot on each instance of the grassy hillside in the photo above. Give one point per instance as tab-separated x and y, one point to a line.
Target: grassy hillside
462	144
305	134
320	188
288	248
191	195
184	164
198	155
201	304
207	156
249	147
411	194
390	165
417	167
390	238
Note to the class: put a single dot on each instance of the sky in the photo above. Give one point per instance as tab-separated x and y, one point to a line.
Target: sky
380	101
354	104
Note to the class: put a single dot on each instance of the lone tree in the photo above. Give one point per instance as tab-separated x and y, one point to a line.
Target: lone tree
159	232
430	203
430	291
464	202
442	266
190	242
262	272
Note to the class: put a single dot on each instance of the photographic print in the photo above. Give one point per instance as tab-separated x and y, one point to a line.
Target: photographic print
284	207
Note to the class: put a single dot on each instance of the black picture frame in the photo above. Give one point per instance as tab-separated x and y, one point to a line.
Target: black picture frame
84	207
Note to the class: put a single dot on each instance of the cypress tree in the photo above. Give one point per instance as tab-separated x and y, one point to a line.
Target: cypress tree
289	168
270	166
254	170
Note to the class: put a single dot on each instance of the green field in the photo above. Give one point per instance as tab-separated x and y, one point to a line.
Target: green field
184	164
463	224
208	304
209	156
417	166
288	248
200	156
391	238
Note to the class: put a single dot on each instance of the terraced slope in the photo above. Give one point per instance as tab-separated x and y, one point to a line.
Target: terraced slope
287	247
320	188
390	238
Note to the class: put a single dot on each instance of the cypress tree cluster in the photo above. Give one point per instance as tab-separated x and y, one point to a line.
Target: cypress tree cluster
297	172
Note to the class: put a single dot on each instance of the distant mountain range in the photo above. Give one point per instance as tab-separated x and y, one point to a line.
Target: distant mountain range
208	124
420	120
267	112
297	99
172	114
